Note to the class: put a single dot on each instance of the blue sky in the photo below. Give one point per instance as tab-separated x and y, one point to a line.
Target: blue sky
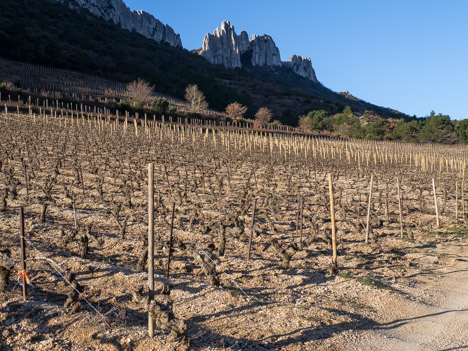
410	55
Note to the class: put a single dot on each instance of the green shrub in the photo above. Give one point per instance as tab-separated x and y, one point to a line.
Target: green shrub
124	106
139	106
160	105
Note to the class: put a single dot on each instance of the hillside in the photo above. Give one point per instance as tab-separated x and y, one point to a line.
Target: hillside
50	33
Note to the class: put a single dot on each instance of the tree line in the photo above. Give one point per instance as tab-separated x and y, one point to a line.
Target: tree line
140	93
435	128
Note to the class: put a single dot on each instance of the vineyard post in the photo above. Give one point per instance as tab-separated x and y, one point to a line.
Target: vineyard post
358	216
456	202
399	207
297	215
170	241
23	256
435	203
369	208
387	213
332	213
75	217
301	218
26	181
344	203
463	193
251	229
82	182
150	245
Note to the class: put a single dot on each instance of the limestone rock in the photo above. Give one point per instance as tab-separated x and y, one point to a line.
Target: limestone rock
264	51
302	66
225	47
222	47
243	42
140	21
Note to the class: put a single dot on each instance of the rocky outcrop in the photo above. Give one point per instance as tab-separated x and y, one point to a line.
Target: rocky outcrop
224	46
302	66
227	48
140	21
264	51
243	41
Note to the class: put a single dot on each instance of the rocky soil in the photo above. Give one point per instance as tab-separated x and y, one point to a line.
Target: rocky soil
393	293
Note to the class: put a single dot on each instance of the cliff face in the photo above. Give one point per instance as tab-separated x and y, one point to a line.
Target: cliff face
140	21
264	51
302	66
225	47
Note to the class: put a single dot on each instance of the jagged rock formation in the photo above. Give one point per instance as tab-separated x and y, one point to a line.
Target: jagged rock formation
302	66
264	51
244	41
225	47
140	21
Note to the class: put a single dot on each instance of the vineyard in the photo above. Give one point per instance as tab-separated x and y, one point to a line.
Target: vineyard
50	83
276	241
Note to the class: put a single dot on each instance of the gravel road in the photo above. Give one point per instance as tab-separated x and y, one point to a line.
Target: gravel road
439	323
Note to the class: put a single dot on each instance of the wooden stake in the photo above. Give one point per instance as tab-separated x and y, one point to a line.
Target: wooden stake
150	245
170	241
456	202
251	230
26	180
399	208
387	213
82	183
435	203
301	218
75	217
369	208
297	215
332	214
463	196
23	255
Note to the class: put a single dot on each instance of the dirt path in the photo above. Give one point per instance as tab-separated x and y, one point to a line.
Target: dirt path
436	320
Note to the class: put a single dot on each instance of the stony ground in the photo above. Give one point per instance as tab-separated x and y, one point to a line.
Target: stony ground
393	294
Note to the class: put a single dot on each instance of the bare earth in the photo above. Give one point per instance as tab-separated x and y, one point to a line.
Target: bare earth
403	290
437	322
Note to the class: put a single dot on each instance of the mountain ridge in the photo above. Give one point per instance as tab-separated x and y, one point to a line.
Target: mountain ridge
225	47
142	22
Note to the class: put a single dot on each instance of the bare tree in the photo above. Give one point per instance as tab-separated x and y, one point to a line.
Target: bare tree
195	98
140	91
235	111
263	117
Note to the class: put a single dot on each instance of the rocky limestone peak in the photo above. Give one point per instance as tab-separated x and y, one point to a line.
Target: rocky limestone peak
243	42
140	21
222	47
264	51
225	47
301	66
